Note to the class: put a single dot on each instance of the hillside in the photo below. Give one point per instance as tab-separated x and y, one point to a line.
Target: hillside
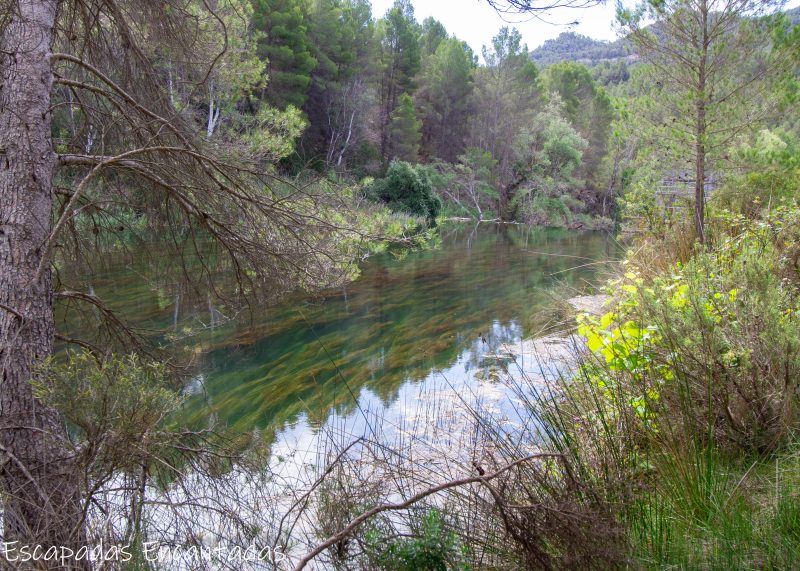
794	15
570	46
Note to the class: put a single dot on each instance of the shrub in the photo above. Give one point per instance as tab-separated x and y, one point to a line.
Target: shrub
115	406
407	188
432	548
686	409
714	348
547	211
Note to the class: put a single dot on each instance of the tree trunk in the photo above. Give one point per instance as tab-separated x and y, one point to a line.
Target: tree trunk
700	131
38	482
700	180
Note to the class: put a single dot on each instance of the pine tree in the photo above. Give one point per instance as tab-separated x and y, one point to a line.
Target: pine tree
284	46
445	99
405	131
433	34
341	34
398	36
709	62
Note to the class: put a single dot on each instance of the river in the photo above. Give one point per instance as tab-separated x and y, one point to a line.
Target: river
408	324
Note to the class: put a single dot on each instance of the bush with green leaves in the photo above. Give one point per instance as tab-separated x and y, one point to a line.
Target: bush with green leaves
714	348
407	188
117	407
431	547
686	407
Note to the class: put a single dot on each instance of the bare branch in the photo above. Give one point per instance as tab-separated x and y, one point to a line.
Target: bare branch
356	522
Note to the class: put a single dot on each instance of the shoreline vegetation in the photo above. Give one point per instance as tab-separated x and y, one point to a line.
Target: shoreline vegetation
586	224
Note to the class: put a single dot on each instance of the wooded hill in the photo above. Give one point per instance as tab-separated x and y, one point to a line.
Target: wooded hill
570	46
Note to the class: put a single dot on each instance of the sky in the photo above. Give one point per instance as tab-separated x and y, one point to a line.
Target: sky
476	22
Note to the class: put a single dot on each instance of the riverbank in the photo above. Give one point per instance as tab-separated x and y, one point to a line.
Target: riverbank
590	223
549	357
682	417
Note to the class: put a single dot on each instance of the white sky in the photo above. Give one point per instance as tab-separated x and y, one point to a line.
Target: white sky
475	22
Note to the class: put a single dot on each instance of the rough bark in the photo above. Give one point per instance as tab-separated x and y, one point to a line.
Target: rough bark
39	486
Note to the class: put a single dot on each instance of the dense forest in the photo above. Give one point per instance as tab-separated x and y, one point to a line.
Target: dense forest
510	134
230	155
387	97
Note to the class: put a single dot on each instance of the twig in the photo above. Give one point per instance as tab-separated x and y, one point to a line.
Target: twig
349	528
12	311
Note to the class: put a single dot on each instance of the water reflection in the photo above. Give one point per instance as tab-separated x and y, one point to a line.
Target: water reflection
404	321
431	317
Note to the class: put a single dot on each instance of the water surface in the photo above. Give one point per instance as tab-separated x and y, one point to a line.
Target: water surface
403	324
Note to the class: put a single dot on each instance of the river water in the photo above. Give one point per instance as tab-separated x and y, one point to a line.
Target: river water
422	322
403	360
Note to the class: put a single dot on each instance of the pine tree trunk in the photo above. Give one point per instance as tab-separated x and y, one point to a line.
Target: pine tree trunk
700	130
700	180
38	484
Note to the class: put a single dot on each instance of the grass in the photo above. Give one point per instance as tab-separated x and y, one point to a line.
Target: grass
722	517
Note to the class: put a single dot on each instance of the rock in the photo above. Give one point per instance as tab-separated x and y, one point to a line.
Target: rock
591	304
545	357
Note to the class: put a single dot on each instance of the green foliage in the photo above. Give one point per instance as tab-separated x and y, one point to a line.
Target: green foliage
574	84
239	71
331	61
284	46
468	184
407	188
270	134
697	100
772	177
507	49
547	211
404	131
341	38
116	406
431	548
399	38
433	33
638	203
688	404
507	101
398	60
445	99
548	152
586	106
723	349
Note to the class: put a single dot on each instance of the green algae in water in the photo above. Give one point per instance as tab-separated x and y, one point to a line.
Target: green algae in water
401	321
